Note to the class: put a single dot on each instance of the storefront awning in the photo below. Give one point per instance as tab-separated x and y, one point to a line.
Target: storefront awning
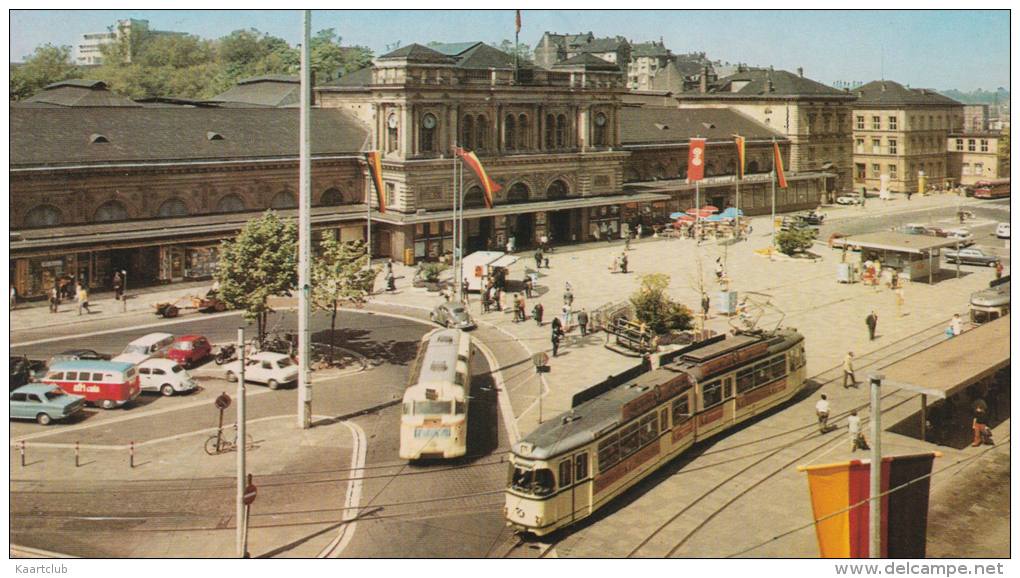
946	368
519	208
723	181
900	242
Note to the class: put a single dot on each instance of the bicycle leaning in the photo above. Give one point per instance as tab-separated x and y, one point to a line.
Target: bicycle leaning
219	444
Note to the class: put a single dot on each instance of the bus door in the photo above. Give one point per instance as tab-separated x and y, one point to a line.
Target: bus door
580	494
682	431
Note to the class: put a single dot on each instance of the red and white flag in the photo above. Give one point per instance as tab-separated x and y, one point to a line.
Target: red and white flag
780	174
696	160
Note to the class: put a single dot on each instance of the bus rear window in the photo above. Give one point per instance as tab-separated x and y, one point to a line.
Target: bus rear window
429	407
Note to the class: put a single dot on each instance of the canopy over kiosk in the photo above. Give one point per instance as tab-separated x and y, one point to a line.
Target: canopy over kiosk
948	367
915	256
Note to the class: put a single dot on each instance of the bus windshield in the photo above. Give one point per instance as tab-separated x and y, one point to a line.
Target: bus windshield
429	407
539	482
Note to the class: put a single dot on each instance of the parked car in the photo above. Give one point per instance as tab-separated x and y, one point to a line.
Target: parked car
272	369
1002	231
964	236
189	350
913	229
25	370
970	257
452	315
151	345
165	376
44	403
810	218
848	200
78	355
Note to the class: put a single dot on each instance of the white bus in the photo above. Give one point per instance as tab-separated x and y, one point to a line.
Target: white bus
435	407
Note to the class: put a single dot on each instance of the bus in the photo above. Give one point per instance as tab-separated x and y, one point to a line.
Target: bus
990	304
108	384
434	419
620	433
991	189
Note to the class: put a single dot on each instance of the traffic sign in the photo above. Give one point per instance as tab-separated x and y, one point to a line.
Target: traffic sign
249	494
540	359
222	401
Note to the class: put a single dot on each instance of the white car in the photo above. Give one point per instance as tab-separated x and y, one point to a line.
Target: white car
165	376
964	236
147	347
1002	231
848	200
272	369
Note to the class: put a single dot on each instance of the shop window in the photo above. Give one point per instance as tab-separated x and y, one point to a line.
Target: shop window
44	216
230	204
111	211
283	200
173	208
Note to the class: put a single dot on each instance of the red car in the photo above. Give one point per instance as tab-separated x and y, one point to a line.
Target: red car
189	350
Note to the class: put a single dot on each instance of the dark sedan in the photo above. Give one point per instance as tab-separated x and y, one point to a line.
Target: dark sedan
971	257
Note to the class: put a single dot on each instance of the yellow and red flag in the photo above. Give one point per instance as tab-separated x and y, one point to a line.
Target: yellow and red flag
839	498
489	187
518	21
696	160
374	161
780	175
740	155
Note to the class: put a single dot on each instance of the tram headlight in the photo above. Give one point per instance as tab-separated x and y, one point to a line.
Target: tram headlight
538	520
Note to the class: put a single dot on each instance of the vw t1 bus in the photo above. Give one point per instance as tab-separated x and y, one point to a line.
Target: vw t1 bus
108	384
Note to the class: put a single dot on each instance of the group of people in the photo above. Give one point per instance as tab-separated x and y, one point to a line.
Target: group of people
620	263
853	422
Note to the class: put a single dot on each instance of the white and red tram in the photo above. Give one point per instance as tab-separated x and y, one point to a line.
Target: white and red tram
578	462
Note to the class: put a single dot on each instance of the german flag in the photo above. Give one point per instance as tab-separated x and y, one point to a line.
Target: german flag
839	498
375	169
740	156
489	187
779	165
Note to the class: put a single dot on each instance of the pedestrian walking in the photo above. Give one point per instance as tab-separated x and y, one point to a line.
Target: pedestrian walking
544	241
519	308
982	435
389	267
998	269
511	244
54	299
582	321
391	282
857	439
546	261
848	370
705	304
464	287
639	231
568	296
822	411
529	286
623	263
909	193
864	195
719	271
956	324
537	312
568	313
486	299
872	322
615	266
538	259
14	297
83	300
497	298
626	244
555	338
118	286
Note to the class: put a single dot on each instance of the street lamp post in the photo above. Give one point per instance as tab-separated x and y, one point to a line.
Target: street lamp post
305	234
875	502
123	295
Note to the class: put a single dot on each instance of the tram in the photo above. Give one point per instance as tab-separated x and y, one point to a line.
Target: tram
990	304
434	420
575	464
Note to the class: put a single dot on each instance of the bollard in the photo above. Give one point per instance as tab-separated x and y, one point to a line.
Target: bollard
23	453
132	453
77	453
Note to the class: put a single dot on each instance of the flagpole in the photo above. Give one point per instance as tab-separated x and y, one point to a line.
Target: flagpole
460	231
875	503
697	210
775	173
738	206
517	34
456	282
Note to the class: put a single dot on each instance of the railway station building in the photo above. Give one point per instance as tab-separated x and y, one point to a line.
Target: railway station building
101	183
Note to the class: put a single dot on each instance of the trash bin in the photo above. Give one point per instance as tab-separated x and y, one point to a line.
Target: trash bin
727	302
409	256
844	273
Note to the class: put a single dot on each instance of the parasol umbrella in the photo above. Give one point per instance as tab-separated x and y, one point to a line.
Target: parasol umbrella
675	216
699	212
714	219
685	219
710	208
731	213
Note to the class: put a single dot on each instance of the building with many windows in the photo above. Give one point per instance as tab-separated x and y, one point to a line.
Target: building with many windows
89	50
901	132
978	156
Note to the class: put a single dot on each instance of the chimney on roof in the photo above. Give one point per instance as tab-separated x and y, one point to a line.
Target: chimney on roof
703	82
800	71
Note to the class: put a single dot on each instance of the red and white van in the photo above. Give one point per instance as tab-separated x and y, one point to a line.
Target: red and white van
108	384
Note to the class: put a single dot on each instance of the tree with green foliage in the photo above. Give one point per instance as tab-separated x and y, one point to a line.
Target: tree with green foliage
246	53
795	240
523	50
259	263
654	307
48	64
331	61
340	277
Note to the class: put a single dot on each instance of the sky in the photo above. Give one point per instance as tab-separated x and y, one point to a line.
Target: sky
941	49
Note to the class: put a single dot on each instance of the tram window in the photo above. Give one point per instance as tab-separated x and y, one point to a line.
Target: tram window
711	394
72	375
407	408
664	420
59	376
544	482
761	373
649	429
745	379
580	466
778	367
565	473
629	440
681	409
609	453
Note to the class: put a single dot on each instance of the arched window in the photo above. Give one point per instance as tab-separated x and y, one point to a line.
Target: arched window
467	132
481	132
334	198
473	198
550	131
523	133
561	131
44	216
518	193
509	133
283	200
660	171
601	122
427	134
172	208
230	204
557	190
111	211
752	167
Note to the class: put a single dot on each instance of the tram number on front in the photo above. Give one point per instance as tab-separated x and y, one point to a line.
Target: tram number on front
432	433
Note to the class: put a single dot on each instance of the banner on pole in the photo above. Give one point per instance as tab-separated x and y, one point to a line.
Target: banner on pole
375	170
696	160
740	156
489	187
780	174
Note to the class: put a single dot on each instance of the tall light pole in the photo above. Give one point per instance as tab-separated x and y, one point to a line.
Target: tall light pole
875	503
305	234
242	449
